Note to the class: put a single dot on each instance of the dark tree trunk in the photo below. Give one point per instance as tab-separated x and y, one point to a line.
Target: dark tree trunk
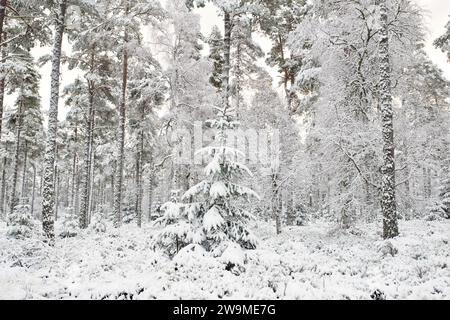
121	136
24	171
388	204
139	192
13	198
226	54
50	151
86	181
2	56
33	190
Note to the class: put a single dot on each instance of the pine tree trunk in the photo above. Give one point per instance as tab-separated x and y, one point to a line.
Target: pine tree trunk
24	171
84	208
50	151
13	198
91	185
388	204
3	191
139	192
77	195
56	191
34	189
74	170
2	56
276	203
2	97
150	195
121	136
3	188
74	178
114	169
226	55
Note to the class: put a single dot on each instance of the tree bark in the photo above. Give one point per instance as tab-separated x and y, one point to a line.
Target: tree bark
150	194
121	136
2	97
139	192
2	75
92	199
50	150
276	203
56	191
74	170
24	171
388	203
13	198
226	54
34	189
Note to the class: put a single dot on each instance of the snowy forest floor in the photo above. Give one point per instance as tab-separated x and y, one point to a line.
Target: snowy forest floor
304	262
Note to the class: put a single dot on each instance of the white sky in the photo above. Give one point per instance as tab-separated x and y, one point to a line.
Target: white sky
437	15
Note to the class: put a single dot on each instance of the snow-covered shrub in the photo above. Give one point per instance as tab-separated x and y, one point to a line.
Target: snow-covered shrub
441	207
156	210
20	222
176	232
300	215
128	214
98	221
234	258
70	224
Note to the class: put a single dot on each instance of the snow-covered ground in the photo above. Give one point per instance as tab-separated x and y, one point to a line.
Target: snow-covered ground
309	262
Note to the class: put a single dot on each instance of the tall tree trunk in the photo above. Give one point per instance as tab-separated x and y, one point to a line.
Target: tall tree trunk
91	185
3	188
2	97
139	192
74	182
84	209
150	194
113	175
50	150
121	135
77	195
74	170
2	56
388	204
226	54
34	189
13	198
56	191
24	171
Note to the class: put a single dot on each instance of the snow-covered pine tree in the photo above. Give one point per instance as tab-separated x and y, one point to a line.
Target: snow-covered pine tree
123	18
99	220
26	78
92	54
214	220
274	173
20	221
443	42
217	195
245	52
282	18
70	224
214	41
147	89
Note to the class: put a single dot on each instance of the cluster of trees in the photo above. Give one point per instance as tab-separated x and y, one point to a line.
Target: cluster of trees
361	118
